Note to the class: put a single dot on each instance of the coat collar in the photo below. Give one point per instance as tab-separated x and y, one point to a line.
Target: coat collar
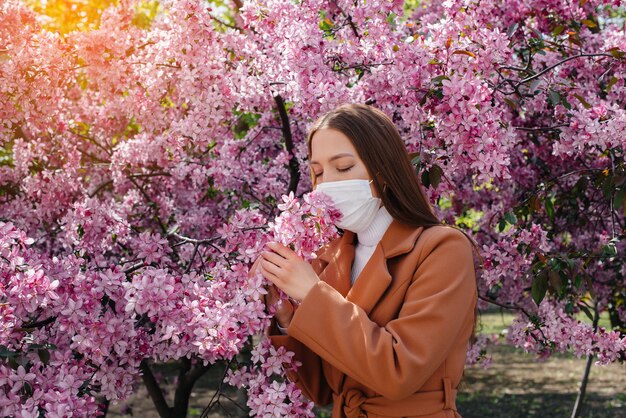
398	239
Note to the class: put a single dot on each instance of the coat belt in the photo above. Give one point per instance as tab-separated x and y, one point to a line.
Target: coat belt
352	403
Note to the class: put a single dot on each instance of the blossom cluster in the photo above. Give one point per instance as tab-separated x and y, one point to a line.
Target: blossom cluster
569	334
305	225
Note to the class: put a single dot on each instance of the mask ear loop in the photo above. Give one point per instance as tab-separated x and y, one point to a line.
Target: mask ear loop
384	185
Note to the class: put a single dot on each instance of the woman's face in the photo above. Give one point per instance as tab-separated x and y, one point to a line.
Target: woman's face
334	158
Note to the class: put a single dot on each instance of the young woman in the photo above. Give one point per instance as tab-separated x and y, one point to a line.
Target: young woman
382	318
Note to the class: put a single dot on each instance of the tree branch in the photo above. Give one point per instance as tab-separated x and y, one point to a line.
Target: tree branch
154	390
582	390
553	66
37	324
215	399
541	128
187	377
349	19
515	84
93	141
294	169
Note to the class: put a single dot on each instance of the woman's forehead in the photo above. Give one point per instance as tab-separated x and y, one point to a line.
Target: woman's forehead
327	144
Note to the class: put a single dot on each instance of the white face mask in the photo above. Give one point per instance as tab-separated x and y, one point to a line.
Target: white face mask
355	201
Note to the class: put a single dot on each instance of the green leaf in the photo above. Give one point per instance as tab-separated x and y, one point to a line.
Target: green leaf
610	249
554	97
554	279
534	203
437	80
549	208
534	85
44	355
539	288
589	23
558	30
6	353
435	174
582	100
617	53
513	104
578	280
611	83
425	179
510	218
566	104
326	24
501	225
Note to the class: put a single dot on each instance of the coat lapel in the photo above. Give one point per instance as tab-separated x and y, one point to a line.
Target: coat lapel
339	258
375	278
372	282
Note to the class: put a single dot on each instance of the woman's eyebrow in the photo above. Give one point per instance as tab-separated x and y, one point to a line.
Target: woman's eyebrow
334	157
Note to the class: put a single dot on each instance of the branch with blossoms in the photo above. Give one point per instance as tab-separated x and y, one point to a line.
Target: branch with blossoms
150	300
515	84
304	226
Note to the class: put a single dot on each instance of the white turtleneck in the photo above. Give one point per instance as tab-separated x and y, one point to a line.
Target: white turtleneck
368	240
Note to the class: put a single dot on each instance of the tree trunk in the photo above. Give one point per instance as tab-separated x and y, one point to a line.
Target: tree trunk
154	390
583	383
188	376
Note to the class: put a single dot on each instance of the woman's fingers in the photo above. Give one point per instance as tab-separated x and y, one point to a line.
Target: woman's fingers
271	268
273	258
280	250
289	267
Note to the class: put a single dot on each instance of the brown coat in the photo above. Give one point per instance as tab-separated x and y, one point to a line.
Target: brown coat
394	344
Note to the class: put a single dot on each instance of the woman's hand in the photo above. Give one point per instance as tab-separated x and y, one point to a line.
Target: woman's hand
288	271
284	309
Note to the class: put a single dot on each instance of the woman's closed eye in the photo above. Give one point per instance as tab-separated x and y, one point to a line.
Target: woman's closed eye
341	170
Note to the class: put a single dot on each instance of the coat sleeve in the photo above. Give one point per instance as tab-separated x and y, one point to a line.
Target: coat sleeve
397	359
309	377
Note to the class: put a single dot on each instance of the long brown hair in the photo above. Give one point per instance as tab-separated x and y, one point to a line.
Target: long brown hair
380	147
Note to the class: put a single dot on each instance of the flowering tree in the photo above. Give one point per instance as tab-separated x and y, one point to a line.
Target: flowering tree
144	146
